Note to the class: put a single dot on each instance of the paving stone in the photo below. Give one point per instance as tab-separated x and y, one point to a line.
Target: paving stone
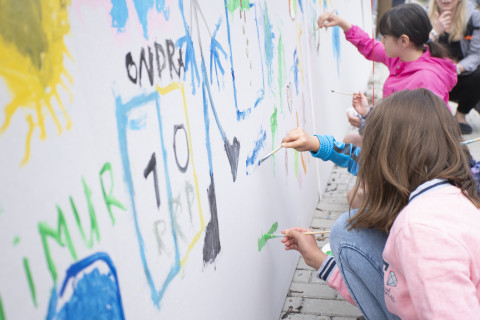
312	290
330	308
302	276
293	303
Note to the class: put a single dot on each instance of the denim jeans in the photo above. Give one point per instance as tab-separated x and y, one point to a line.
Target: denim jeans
358	254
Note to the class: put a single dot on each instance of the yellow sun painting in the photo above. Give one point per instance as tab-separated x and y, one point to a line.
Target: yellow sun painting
32	50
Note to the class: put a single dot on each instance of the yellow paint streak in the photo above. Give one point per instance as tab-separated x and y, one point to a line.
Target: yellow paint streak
33	86
301	153
300	54
163	91
28	139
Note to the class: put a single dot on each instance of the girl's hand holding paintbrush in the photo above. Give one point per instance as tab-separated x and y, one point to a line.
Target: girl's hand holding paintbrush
295	239
301	140
330	19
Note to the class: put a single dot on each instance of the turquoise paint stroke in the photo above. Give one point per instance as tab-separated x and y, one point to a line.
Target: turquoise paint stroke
119	14
138	123
122	110
336	46
144	6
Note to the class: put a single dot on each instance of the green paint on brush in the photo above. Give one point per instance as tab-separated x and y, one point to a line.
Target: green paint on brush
2	313
26	266
267	236
233	5
281	70
16	240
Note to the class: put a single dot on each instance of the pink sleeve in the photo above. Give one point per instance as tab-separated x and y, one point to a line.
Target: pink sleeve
335	281
369	48
437	273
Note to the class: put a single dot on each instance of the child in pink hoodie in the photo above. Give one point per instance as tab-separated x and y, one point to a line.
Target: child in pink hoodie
411	251
413	60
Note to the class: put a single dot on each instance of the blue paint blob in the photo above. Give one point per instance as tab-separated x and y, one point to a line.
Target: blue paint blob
119	14
95	295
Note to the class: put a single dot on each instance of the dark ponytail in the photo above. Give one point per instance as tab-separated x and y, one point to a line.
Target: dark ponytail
438	50
411	20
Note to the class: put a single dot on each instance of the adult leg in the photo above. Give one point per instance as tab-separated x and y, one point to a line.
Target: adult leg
467	95
358	254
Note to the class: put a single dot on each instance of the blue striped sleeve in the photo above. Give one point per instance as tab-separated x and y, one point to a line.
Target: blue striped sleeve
326	268
343	155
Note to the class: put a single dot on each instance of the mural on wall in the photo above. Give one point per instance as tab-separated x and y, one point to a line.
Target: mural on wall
153	142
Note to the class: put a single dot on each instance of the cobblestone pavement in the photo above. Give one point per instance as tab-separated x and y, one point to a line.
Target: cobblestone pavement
310	298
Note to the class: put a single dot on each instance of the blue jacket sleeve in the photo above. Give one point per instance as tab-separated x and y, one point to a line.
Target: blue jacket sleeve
343	155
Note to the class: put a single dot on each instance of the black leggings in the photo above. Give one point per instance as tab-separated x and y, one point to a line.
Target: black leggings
467	91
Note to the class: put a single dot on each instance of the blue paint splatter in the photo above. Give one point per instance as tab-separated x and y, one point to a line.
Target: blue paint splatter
122	111
119	14
144	6
269	46
95	294
259	143
215	46
336	46
138	123
190	60
300	4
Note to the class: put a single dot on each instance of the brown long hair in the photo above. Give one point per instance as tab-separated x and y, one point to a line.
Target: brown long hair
410	138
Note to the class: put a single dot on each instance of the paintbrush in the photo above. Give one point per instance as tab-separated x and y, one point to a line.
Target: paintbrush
278	235
345	93
269	155
470	141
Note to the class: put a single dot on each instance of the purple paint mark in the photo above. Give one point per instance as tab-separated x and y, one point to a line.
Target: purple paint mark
295	70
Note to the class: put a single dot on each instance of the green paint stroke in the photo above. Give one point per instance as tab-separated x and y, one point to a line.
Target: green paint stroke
110	200
296	155
60	235
2	313
281	70
233	5
266	236
26	266
273	128
21	25
16	240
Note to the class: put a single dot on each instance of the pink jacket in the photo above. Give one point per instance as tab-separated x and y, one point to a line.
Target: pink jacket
431	259
438	75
